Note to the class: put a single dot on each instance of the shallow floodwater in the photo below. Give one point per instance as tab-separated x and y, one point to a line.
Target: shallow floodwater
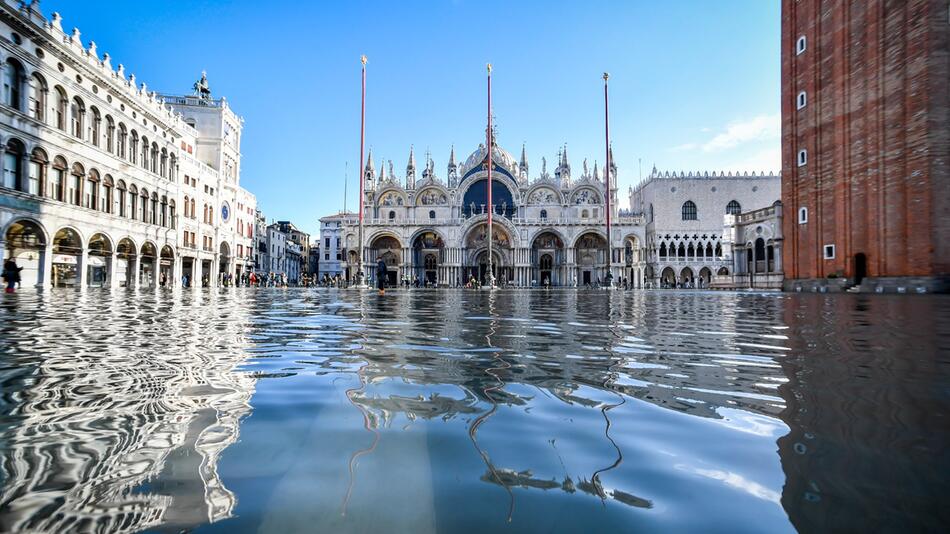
278	410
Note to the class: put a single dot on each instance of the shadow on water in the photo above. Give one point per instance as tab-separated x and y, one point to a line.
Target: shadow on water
291	410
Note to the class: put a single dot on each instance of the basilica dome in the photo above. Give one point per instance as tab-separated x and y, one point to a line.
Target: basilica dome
500	157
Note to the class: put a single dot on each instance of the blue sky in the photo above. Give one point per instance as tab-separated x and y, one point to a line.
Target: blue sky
694	84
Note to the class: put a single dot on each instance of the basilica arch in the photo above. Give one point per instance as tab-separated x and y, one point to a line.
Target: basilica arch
428	257
389	248
548	259
476	248
590	258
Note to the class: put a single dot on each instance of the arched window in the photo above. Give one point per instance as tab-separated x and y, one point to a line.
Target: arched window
734	208
74	187
802	215
12	78
392	215
133	146
584	214
163	213
681	251
153	160
92	190
186	205
689	211
38	90
77	114
662	250
143	198
544	214
94	130
651	212
133	202
110	135
106	203
171	214
173	168
145	148
54	189
36	172
62	106
432	214
121	198
193	211
163	169
12	164
121	140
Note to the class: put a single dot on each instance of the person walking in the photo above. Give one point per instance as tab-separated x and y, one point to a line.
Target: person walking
11	274
381	272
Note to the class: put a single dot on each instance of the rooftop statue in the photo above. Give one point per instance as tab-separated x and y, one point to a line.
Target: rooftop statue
202	90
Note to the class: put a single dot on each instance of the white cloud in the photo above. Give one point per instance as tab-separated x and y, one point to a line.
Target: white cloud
760	128
769	159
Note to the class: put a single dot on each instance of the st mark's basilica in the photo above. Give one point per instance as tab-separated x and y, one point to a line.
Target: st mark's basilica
547	230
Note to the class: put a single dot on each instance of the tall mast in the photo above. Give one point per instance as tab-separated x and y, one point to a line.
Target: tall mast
491	207
607	171
359	264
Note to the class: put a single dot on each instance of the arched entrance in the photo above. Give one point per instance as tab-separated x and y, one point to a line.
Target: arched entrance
668	278
590	254
477	243
705	276
389	249
25	243
224	262
687	278
67	254
166	267
547	255
99	263
426	254
125	257
147	258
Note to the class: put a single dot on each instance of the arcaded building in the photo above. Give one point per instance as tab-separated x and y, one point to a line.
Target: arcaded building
686	221
548	229
866	144
104	182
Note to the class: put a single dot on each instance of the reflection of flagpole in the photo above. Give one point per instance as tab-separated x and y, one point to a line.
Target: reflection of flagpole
359	261
610	252
491	207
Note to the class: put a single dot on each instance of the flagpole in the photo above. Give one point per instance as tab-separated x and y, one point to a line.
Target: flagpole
610	253
491	207
359	264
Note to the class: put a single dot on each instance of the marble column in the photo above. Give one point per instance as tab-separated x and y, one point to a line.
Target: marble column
113	265
82	269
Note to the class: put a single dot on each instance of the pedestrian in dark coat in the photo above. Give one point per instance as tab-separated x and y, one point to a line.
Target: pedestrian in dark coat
381	272
11	274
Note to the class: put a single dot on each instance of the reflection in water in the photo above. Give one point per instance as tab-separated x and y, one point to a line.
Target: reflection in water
101	409
412	412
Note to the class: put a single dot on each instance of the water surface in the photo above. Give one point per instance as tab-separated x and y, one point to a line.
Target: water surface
279	410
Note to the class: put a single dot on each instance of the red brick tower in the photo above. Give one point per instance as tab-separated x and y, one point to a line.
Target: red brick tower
866	144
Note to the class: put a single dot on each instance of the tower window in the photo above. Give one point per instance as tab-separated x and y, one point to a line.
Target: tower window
829	252
800	45
802	215
802	100
802	157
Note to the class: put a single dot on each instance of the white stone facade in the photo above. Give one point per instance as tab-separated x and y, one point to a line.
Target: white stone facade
331	244
684	221
103	179
549	229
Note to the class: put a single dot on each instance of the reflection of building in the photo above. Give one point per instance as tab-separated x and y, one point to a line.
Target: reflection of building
103	180
684	224
865	144
119	438
547	229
